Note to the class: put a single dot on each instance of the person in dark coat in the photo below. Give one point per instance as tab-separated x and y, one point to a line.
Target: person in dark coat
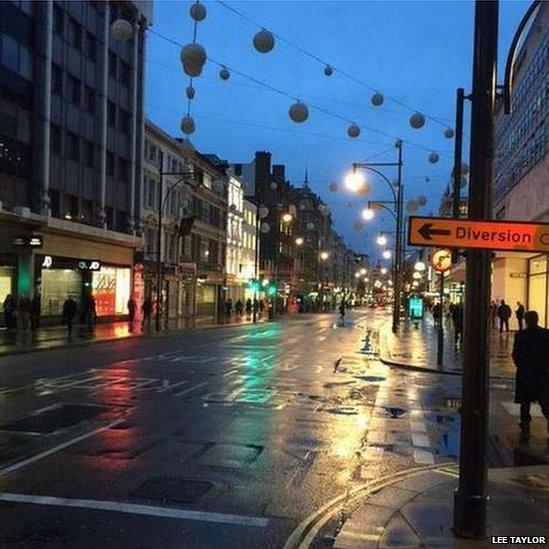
24	308
248	306
9	312
132	306
342	312
456	310
531	357
69	312
437	312
238	307
519	313
504	314
147	311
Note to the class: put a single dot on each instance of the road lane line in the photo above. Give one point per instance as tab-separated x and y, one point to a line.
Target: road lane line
172	386
136	509
55	449
190	389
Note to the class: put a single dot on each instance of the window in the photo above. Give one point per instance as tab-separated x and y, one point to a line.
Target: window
74	87
56	79
91	47
89	100
74	34
58	17
55	138
113	64
150	190
15	56
152	153
90	155
123	171
110	163
125	73
111	113
204	251
73	143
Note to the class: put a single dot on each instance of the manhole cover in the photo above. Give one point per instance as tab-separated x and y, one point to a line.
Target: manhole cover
55	418
176	489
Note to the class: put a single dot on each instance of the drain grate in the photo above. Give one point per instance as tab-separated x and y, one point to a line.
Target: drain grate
55	418
174	489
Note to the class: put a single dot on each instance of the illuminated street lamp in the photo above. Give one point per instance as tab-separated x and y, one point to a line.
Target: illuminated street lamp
287	218
416	275
415	284
367	214
363	271
381	240
357	275
386	254
354	181
419	266
298	240
384	270
324	256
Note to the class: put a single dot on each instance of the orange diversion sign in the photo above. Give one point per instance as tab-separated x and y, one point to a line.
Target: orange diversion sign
489	235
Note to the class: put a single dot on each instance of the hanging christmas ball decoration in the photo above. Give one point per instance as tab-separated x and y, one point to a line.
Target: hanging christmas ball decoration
265	228
193	57
448	133
421	200
349	204
333	186
412	206
264	41
427	179
434	158
353	131
299	112
198	11
187	125
121	30
273	185
328	71
224	73
417	120
190	91
310	226
377	99
263	212
358	226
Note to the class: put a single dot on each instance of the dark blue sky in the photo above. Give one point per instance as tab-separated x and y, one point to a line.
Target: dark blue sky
417	52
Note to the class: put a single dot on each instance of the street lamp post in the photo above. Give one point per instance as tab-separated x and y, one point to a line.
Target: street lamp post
398	198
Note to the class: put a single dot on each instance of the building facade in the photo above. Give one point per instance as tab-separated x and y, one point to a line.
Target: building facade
71	134
521	171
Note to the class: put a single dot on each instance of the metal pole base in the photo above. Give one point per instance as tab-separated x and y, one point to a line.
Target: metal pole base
470	515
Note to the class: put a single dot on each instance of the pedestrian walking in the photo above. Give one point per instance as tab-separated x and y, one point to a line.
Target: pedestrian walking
519	313
69	312
437	312
90	313
9	312
456	310
228	307
504	314
132	306
35	311
238	307
342	313
248	307
531	357
493	313
24	307
146	308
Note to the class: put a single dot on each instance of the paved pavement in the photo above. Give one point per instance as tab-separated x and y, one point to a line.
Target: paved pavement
223	438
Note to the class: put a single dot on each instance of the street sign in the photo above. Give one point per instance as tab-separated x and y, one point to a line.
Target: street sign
515	236
441	260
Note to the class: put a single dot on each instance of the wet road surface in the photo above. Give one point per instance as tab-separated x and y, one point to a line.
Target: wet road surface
219	438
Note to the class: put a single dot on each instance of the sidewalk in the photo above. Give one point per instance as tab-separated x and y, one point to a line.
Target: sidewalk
51	337
417	511
416	348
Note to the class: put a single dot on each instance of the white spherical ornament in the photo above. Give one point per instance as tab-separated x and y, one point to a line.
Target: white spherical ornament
187	125
448	133
198	12
417	120
265	228
434	158
273	185
190	91
263	212
333	186
299	112
421	200
264	41
121	30
353	131
412	206
224	74
310	226
377	99
328	71
193	56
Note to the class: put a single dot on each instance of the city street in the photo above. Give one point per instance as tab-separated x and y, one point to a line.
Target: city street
219	438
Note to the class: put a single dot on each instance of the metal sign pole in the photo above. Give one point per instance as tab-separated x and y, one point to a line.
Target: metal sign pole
440	342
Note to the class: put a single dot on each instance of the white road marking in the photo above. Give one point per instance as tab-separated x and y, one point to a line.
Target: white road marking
191	389
135	509
55	449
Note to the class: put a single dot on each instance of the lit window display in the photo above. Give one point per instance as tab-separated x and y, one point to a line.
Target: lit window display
6	282
111	290
57	285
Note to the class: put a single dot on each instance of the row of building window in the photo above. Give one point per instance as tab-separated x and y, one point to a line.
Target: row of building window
16	57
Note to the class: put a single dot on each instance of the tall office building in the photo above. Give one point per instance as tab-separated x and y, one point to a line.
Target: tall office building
71	136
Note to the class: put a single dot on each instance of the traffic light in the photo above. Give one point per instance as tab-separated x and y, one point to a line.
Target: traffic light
255	285
272	288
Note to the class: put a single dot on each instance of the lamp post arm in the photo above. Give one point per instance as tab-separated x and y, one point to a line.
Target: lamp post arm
383	206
